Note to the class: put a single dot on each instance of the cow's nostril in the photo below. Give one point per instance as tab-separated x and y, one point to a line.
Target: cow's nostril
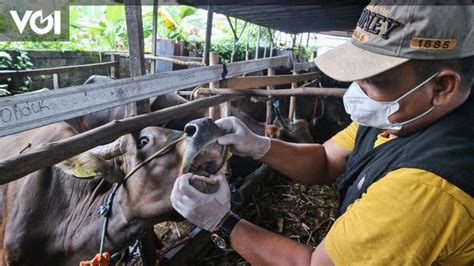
190	130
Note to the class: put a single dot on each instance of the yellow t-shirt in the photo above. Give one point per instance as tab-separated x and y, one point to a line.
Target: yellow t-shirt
409	217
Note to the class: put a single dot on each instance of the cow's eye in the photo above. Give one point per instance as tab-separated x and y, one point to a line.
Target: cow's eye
143	141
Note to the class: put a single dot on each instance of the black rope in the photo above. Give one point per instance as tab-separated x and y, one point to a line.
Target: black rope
224	71
104	210
276	110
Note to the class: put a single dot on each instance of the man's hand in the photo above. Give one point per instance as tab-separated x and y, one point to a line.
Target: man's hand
243	141
204	210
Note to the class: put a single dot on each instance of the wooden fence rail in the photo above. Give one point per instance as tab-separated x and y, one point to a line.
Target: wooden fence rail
26	111
307	91
55	70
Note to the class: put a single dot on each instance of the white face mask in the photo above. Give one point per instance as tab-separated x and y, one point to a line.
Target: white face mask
372	113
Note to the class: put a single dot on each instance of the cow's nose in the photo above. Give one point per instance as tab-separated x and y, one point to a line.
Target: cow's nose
190	130
201	128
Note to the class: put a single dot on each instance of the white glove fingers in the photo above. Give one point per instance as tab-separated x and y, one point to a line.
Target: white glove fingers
207	180
228	139
225	123
188	190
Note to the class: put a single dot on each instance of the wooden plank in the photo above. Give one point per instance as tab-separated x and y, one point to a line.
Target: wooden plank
161	57
261	81
52	153
238	68
23	112
52	70
307	91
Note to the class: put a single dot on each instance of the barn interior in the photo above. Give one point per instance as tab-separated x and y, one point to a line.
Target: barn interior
262	196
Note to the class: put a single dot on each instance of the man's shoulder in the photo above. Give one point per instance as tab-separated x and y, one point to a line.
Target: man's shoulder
414	183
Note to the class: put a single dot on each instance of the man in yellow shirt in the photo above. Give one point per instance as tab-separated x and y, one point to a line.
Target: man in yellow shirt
404	168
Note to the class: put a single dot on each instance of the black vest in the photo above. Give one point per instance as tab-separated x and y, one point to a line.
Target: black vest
445	148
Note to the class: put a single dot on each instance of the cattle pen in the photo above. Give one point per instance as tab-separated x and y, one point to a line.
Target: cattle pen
210	83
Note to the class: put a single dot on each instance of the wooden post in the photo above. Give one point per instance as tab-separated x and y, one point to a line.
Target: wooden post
292	108
269	121
207	43
113	70
265	44
154	30
257	46
247	46
133	12
271	43
214	111
55	81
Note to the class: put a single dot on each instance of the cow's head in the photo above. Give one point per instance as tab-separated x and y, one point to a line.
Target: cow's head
151	184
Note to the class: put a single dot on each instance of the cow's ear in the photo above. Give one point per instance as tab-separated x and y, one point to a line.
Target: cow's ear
88	166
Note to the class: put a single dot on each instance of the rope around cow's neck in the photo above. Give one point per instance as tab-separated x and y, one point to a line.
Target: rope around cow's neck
105	209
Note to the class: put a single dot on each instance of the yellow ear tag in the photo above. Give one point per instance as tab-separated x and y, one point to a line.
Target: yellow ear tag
83	173
229	155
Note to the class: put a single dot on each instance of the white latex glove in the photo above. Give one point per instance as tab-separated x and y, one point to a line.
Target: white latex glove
242	140
204	210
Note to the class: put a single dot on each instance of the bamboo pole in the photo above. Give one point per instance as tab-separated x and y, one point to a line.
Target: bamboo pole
292	107
306	91
269	121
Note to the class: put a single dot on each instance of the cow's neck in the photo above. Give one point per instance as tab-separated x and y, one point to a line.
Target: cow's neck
127	221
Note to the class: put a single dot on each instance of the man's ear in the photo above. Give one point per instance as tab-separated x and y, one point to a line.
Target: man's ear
447	86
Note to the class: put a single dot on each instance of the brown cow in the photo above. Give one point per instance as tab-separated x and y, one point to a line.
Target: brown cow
50	217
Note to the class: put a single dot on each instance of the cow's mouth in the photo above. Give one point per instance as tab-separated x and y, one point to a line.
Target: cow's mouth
202	155
209	161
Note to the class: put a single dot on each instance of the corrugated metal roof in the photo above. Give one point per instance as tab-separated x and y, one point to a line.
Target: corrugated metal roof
338	17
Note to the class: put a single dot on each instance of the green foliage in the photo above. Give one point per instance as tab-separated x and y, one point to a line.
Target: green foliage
20	61
224	48
103	28
303	52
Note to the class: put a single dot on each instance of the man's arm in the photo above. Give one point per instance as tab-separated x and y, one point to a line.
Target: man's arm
307	163
261	247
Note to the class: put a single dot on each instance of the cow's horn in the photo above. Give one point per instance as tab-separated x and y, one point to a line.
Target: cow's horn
111	150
